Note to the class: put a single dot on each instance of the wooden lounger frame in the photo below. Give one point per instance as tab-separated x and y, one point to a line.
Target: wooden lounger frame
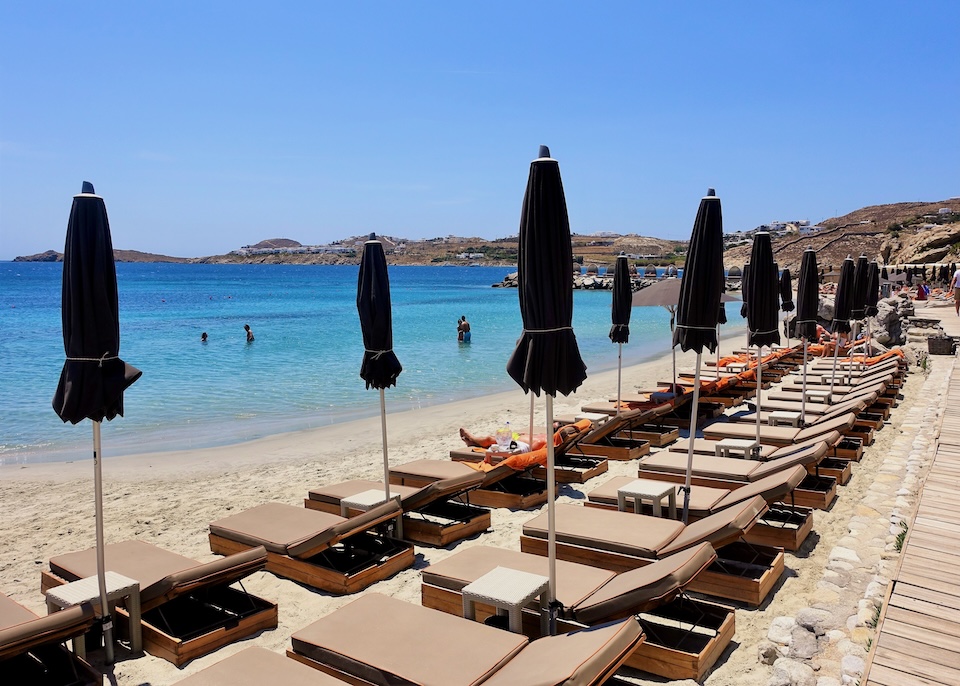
253	614
517	492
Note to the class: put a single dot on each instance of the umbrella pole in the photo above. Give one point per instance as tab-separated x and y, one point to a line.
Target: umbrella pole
619	371
759	391
101	565
673	350
549	430
383	432
836	354
551	524
803	399
693	435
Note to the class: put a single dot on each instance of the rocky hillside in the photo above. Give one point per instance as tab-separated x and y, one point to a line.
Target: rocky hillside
118	255
900	233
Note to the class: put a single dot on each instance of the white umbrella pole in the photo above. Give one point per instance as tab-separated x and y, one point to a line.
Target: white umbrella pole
759	371
619	371
803	399
549	430
383	431
551	523
836	354
693	436
101	564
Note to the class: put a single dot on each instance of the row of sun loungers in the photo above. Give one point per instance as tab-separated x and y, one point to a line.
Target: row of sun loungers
623	577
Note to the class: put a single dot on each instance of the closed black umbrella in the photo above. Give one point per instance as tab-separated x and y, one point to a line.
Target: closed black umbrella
620	313
380	367
860	276
873	297
883	273
94	377
842	307
762	306
547	357
786	300
743	289
808	307
699	304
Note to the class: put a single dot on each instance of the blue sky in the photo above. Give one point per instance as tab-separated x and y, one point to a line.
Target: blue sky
211	125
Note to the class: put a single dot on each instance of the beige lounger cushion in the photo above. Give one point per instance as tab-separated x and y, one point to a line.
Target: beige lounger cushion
720	528
724	468
259	667
574	581
771	488
297	531
778	434
334	493
575	659
432	469
144	562
702	498
441	490
21	630
702	446
619	532
640	590
389	641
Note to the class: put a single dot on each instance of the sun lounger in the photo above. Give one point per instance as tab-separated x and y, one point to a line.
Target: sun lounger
318	549
620	541
863	426
685	636
437	514
256	667
784	524
188	608
779	435
32	649
817	491
613	438
381	640
573	464
502	485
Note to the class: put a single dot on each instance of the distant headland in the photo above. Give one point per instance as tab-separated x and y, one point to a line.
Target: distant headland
899	233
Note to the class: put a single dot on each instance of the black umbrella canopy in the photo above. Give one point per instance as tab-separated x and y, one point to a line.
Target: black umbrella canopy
873	290
547	357
703	279
761	294
786	291
743	289
860	284
843	300
808	296
883	273
93	378
380	367
620	310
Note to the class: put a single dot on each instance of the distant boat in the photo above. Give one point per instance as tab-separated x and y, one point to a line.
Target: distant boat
475	264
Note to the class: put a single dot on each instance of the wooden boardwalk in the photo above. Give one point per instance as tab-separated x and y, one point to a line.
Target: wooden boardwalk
918	638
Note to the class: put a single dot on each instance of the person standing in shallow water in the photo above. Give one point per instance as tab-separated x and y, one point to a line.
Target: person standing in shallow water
203	337
246	327
464	329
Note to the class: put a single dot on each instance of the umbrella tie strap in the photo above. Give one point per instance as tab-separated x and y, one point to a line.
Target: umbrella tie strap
100	360
696	328
621	326
758	333
806	321
377	354
561	328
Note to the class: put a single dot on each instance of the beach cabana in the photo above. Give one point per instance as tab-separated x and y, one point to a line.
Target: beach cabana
377	640
318	549
188	608
685	635
33	650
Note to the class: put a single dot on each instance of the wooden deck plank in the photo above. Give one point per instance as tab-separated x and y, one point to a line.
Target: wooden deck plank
886	672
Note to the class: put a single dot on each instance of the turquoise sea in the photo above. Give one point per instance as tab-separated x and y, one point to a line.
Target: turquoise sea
303	369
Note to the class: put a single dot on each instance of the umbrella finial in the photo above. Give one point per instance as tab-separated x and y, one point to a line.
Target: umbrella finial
373	236
711	192
87	188
544	151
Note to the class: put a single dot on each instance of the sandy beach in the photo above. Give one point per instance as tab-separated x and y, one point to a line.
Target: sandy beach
169	498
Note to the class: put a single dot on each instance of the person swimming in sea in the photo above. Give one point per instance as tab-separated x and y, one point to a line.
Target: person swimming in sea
246	327
203	337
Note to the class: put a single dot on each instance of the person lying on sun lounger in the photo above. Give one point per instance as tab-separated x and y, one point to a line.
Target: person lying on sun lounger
525	442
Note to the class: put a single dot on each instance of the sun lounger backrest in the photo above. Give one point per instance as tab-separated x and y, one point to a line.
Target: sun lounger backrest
220	572
441	490
50	629
721	528
640	590
771	488
383	640
840	423
344	529
624	420
808	455
581	658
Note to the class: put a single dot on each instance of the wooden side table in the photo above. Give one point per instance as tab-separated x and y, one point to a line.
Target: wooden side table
509	591
367	500
736	447
88	591
784	418
654	491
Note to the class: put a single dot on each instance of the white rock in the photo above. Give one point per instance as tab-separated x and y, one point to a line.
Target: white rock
828	681
780	629
841	553
815	620
797	673
852	665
